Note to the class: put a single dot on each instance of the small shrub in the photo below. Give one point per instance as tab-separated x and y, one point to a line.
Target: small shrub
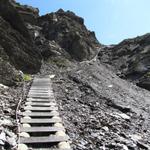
60	62
148	75
26	77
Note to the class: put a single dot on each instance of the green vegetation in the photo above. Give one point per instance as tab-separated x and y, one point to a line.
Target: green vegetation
147	75
27	77
60	62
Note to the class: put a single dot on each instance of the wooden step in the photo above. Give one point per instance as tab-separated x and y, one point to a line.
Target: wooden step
38	96
41	100
40	129
40	121
49	149
40	104
40	114
40	108
40	91
49	139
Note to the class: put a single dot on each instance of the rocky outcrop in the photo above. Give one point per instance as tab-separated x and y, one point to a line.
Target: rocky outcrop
28	13
22	53
16	43
69	32
8	74
132	58
26	37
11	15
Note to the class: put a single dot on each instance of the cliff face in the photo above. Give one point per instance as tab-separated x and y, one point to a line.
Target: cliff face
27	13
69	31
132	58
26	37
16	43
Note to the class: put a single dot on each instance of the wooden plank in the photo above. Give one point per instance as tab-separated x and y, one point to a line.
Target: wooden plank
41	100
42	92
40	121
38	89
35	96
49	149
39	94
40	108
40	129
49	139
41	104
35	85
40	114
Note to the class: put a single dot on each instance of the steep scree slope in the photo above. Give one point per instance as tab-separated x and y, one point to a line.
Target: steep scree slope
100	110
132	58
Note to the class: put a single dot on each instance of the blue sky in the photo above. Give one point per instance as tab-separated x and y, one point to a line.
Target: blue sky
112	20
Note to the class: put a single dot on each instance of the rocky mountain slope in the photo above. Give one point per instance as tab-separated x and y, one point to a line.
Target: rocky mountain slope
18	50
132	58
100	110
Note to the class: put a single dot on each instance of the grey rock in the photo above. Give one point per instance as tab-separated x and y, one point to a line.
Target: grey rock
2	138
70	33
131	58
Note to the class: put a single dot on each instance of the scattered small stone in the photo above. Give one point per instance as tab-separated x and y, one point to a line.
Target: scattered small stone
11	141
6	122
110	86
105	128
52	76
143	146
3	86
124	116
95	134
125	147
2	138
135	137
8	110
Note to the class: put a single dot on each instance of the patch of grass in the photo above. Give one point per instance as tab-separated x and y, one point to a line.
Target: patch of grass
27	77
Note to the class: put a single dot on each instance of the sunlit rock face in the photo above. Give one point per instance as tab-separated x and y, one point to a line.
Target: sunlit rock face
69	31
